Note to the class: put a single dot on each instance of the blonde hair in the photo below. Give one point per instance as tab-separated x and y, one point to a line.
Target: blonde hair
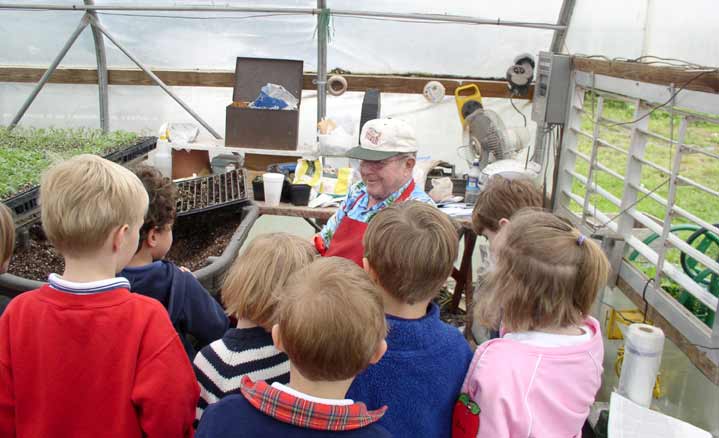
264	266
84	198
331	320
500	199
547	275
412	247
7	234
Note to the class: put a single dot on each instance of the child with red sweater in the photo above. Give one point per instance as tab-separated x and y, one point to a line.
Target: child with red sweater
82	356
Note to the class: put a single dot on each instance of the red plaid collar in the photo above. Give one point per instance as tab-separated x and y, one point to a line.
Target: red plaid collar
303	413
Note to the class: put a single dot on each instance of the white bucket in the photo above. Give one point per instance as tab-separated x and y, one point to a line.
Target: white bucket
273	188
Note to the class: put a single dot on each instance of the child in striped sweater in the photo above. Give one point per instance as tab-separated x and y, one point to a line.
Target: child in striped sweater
250	294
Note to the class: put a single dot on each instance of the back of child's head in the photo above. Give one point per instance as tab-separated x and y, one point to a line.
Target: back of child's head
331	320
84	198
411	246
7	236
265	265
500	199
547	275
163	199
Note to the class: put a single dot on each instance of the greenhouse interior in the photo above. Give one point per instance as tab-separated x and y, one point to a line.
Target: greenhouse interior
277	125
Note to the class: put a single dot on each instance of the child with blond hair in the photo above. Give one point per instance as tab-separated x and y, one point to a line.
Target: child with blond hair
410	249
7	244
82	355
250	293
331	325
540	378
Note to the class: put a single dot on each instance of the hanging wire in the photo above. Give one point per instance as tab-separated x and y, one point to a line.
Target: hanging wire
511	100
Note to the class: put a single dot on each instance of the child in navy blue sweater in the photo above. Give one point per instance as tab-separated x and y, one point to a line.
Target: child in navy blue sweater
193	311
331	325
410	248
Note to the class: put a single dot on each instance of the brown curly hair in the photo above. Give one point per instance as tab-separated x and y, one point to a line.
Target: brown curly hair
163	199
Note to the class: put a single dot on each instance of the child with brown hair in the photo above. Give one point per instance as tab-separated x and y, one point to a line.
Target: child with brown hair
81	355
499	200
193	311
541	377
249	295
7	244
410	249
331	325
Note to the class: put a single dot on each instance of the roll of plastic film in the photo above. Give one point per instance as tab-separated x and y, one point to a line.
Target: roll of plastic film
337	85
643	347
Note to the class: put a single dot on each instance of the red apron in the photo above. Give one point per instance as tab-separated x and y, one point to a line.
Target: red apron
347	240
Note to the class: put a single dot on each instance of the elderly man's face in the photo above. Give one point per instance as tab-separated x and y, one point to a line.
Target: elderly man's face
387	176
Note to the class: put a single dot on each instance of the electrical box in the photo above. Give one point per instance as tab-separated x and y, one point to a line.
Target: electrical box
551	88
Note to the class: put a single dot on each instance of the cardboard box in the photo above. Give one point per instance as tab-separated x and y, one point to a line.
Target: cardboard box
261	128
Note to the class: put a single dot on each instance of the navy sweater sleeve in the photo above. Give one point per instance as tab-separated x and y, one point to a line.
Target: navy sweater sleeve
203	317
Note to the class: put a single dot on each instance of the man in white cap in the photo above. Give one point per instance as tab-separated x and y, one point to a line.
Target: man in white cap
387	154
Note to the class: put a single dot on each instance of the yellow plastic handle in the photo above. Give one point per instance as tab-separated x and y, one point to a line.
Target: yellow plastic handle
459	90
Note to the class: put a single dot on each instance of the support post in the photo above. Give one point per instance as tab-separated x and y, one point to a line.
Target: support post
43	80
101	71
593	159
560	35
155	79
671	199
568	160
322	30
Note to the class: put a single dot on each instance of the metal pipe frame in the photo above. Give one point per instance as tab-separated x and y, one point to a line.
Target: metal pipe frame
565	17
321	64
84	21
336	12
155	79
102	78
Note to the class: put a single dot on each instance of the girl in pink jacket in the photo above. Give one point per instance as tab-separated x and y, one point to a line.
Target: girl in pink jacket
540	378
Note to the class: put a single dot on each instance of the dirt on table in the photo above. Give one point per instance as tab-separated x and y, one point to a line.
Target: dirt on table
196	237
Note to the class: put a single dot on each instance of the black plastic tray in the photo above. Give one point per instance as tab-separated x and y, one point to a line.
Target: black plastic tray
25	204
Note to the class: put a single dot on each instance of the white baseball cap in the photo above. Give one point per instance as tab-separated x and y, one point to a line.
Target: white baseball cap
384	138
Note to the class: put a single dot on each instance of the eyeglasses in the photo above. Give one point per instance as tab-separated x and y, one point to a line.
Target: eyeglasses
382	163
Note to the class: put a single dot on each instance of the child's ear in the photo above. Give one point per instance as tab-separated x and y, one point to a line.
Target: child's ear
381	350
118	236
276	339
151	239
502	222
368	269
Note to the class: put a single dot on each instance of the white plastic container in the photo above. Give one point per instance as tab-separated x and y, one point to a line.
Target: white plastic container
162	158
273	188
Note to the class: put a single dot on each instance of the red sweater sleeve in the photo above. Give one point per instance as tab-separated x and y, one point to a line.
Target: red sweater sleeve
7	397
165	392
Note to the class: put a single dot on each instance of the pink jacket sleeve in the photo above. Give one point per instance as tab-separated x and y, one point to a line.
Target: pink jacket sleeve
493	387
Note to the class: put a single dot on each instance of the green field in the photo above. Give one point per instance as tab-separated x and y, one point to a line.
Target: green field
24	153
698	167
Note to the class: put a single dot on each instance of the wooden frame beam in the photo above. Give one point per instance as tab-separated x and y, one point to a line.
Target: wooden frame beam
196	78
661	75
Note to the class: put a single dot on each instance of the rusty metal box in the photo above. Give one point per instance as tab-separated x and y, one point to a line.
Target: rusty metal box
261	128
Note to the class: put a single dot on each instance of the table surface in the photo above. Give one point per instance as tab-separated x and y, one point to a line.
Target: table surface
285	209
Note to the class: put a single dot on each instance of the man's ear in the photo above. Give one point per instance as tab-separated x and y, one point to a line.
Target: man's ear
409	164
276	338
118	236
502	222
381	350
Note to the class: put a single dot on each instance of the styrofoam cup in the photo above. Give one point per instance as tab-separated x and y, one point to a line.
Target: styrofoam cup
273	188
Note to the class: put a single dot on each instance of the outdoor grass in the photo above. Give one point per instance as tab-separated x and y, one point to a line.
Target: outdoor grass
698	167
26	152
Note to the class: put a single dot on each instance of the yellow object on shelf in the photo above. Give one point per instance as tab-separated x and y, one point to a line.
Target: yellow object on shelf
462	99
624	317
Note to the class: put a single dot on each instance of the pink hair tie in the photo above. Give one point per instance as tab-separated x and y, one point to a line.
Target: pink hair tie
581	239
